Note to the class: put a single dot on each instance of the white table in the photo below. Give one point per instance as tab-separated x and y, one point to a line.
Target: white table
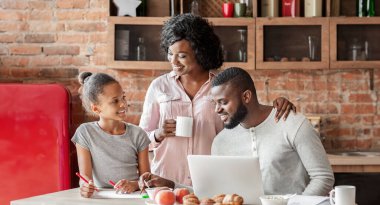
72	197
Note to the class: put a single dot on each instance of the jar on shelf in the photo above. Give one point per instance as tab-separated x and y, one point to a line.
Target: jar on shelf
313	8
290	8
269	8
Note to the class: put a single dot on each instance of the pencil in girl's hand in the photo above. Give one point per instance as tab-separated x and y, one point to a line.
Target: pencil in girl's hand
85	180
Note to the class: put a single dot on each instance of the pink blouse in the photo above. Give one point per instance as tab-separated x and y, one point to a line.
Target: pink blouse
166	99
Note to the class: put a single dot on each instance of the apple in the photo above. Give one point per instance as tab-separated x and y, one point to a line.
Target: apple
158	189
180	193
165	197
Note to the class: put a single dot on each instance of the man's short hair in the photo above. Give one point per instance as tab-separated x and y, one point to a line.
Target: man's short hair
237	77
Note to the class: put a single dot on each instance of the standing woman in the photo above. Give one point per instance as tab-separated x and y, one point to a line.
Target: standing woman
194	52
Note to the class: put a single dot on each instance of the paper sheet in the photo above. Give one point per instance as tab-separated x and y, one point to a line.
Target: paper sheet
307	200
111	194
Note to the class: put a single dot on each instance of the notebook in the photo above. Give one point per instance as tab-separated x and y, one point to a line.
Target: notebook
213	175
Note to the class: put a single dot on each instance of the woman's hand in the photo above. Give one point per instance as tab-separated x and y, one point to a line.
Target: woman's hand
87	190
283	106
126	187
167	130
150	180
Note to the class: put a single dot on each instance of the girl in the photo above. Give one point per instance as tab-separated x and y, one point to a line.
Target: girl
108	149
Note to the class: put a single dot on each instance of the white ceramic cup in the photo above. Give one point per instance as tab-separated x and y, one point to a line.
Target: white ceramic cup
184	126
343	195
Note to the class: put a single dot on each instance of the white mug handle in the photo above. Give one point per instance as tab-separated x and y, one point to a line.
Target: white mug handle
332	196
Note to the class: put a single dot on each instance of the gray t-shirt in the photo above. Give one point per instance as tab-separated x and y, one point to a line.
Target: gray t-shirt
292	158
114	157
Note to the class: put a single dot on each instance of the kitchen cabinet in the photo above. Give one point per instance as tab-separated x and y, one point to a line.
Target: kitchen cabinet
292	43
231	31
270	43
354	42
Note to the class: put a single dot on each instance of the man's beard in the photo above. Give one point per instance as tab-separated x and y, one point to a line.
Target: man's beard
238	116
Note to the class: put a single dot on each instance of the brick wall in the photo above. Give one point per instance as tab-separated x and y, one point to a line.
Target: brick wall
46	41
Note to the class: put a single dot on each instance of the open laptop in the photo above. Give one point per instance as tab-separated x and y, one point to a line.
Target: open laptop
212	175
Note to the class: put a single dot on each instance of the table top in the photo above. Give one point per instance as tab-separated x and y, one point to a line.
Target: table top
72	197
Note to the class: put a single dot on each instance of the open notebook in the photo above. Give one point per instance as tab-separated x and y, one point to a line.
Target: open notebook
111	194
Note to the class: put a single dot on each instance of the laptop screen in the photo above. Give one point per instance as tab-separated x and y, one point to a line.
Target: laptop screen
213	175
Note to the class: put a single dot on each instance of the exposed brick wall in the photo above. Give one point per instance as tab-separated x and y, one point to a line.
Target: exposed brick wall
44	41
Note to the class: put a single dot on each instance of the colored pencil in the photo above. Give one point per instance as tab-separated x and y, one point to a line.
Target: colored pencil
85	180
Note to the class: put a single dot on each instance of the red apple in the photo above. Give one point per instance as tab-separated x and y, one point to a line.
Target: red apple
165	197
180	193
158	189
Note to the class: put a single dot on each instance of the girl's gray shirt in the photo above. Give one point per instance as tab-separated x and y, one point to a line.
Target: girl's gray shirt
113	157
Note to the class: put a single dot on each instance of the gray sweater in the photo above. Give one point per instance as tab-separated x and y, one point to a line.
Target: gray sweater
292	157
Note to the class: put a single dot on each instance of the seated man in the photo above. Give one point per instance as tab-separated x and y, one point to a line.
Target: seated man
292	157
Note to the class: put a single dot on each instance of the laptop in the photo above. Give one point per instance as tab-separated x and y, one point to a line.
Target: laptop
213	175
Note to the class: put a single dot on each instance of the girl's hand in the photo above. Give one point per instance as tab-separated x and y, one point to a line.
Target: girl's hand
283	106
87	190
167	130
126	187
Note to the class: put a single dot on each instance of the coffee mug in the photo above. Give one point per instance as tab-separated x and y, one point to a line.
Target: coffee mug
343	195
240	9
184	126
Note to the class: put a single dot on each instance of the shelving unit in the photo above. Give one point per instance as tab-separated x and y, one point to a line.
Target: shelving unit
150	28
344	31
282	43
268	39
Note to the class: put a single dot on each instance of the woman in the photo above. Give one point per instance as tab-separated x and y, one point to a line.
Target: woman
194	52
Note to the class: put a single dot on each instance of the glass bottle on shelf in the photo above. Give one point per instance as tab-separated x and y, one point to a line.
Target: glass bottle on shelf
242	45
141	50
141	9
194	8
370	7
365	8
174	7
225	53
356	51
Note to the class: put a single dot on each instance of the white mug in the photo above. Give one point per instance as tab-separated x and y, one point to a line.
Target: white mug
184	126
343	195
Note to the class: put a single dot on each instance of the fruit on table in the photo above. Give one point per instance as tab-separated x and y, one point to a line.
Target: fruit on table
180	193
165	197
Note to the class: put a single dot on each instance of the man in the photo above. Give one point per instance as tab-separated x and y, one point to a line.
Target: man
292	158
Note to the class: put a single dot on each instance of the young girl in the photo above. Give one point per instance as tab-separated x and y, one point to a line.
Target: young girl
108	149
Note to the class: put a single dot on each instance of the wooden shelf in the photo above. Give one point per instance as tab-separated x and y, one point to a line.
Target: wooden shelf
343	31
278	38
150	28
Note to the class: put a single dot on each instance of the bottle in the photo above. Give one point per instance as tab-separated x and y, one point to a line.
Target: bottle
370	8
269	8
313	8
242	45
195	8
141	50
141	9
361	10
355	52
290	8
174	7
